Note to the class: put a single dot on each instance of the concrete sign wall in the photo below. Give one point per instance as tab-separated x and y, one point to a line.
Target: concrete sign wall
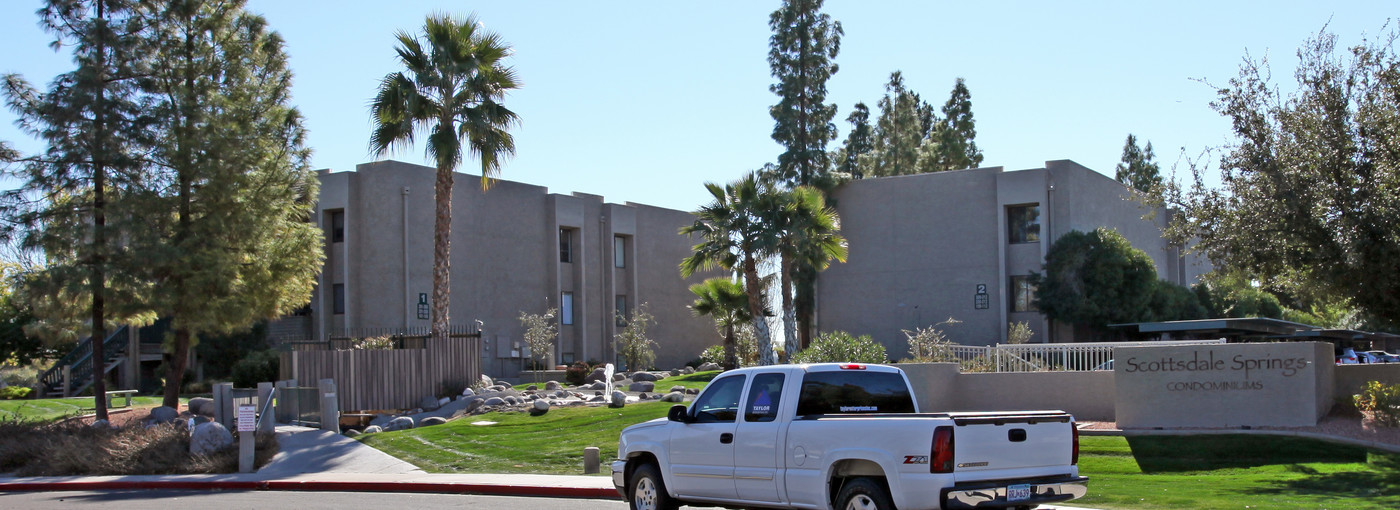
1232	385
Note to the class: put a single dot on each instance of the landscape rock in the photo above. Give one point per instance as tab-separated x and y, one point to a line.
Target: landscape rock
101	424
351	433
400	423
432	420
644	376
541	405
532	387
552	385
598	374
208	438
692	391
486	381
429	403
674	372
707	367
618	377
495	401
674	396
678	388
687	370
619	399
164	414
373	429
468	392
201	406
443	401
642	386
597	398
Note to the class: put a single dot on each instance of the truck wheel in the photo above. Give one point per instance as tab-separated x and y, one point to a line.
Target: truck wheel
863	494
647	491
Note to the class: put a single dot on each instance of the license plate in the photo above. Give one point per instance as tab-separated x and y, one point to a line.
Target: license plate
1020	492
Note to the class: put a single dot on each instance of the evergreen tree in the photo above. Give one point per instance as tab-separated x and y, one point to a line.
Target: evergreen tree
226	241
898	132
801	51
1137	170
950	145
72	204
859	142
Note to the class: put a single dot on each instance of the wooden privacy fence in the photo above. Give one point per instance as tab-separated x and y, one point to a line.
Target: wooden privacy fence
389	378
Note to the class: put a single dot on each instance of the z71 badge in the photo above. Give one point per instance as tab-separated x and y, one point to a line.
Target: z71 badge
916	459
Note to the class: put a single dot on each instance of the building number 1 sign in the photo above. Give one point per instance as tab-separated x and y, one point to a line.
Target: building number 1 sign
980	301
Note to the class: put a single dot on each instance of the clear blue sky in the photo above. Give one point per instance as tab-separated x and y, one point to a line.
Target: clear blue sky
645	101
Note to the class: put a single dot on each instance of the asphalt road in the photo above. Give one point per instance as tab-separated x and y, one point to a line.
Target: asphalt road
219	500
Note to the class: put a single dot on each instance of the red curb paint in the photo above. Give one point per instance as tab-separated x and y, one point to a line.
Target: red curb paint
323	486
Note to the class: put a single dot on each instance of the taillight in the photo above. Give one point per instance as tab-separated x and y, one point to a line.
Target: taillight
941	457
852	366
1074	459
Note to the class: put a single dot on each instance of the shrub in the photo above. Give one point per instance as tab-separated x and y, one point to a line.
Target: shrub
15	392
576	373
1382	401
840	346
73	448
260	366
930	345
1019	333
712	354
632	342
374	343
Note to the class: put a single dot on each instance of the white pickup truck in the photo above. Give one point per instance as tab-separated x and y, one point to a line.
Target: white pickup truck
842	436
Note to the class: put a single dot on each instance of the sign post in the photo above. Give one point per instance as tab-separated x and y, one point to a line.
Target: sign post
247	423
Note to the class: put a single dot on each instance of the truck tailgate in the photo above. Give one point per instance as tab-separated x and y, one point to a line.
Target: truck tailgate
1011	441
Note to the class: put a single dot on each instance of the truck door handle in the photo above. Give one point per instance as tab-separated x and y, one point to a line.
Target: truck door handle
726	438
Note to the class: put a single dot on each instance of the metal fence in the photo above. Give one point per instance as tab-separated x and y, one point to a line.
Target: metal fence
298	406
1050	357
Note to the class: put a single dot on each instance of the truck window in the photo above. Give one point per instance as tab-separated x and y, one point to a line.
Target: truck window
853	392
762	404
720	401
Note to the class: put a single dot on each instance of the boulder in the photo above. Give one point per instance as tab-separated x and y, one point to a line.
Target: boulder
495	401
532	387
432	420
373	429
597	398
208	438
443	401
687	370
164	414
708	367
467	392
674	396
674	372
400	423
644	376
541	405
678	388
429	403
598	385
201	406
598	374
101	424
486	381
643	396
619	399
552	386
642	386
692	391
618	377
351	433
512	400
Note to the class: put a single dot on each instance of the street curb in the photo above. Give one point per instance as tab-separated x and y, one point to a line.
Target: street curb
318	486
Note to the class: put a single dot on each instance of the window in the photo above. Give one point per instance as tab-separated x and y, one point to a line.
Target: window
620	307
566	245
1023	223
1022	294
338	299
566	308
764	393
619	251
338	227
853	392
720	401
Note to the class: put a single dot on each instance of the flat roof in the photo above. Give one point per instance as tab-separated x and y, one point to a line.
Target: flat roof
1260	327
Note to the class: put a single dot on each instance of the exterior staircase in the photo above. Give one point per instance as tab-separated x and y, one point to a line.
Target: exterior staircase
73	373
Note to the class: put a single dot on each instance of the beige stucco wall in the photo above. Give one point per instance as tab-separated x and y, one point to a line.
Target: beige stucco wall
939	387
1350	378
1263	384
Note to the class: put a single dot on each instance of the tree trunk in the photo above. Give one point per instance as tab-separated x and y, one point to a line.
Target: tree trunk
790	346
760	322
731	351
175	371
442	246
99	235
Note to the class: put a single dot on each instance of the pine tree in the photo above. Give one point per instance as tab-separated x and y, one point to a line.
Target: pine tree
72	205
897	132
801	51
950	145
1137	170
227	241
859	142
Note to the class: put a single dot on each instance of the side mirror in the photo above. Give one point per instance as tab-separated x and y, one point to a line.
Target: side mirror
678	413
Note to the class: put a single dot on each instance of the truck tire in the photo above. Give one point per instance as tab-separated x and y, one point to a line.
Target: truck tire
863	494
646	491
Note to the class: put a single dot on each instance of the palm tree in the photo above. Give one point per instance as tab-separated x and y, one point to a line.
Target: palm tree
735	237
808	238
726	301
451	89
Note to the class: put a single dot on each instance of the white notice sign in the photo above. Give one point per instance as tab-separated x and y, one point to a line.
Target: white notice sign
247	418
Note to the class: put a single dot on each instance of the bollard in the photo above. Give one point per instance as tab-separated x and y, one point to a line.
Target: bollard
330	406
267	415
590	460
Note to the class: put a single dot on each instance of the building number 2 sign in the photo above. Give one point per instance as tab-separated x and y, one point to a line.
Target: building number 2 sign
980	301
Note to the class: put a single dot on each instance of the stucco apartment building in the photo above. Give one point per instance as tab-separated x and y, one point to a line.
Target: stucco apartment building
515	248
961	244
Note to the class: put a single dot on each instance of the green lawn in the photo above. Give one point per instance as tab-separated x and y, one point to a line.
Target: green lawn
551	443
50	409
1235	471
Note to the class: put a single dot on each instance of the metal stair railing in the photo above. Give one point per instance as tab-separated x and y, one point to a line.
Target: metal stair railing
79	365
